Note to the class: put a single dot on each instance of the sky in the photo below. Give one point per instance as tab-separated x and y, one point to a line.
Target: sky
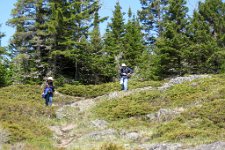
106	10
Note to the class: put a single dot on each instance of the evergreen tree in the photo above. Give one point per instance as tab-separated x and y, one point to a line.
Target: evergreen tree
201	48
206	52
96	51
3	71
51	37
29	17
151	15
133	42
113	48
77	52
173	40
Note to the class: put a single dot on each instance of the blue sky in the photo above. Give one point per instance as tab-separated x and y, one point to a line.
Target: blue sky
107	8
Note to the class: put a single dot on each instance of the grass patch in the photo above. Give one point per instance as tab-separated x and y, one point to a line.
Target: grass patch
21	110
98	90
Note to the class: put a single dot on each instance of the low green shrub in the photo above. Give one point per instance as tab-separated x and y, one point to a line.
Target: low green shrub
202	121
111	146
134	105
97	90
198	122
21	111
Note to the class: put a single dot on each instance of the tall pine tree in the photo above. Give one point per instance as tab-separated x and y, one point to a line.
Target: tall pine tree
113	43
151	15
206	52
29	17
173	40
133	41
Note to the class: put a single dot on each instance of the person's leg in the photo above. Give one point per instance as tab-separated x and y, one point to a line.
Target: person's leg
125	83
122	83
50	101
46	100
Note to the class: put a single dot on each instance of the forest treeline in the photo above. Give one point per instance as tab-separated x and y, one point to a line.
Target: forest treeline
61	38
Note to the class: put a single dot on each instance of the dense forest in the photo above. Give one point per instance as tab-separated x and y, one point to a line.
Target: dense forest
62	39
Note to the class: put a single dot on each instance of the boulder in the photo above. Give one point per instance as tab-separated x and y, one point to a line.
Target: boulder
101	124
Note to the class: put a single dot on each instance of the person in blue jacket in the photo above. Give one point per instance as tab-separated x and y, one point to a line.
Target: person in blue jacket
125	74
48	92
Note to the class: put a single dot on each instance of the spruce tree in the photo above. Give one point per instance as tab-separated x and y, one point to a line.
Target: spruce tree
79	22
173	40
133	41
206	52
113	48
96	51
151	16
52	37
29	17
3	71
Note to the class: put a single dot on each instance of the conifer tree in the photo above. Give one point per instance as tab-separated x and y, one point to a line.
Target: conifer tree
114	41
51	37
206	52
151	15
29	17
173	40
2	67
133	41
77	51
96	50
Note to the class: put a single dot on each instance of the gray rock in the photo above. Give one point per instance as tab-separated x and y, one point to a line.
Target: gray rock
212	146
18	146
101	124
103	134
133	136
164	114
163	146
4	136
179	80
113	95
60	114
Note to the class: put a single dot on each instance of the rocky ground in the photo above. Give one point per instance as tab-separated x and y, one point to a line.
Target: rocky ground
78	130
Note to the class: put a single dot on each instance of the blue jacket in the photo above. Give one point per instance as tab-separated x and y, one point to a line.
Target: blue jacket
48	91
125	70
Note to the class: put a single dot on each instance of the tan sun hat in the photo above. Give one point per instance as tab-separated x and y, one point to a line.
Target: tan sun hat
123	65
50	79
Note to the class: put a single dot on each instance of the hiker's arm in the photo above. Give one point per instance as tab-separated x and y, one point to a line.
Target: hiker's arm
131	71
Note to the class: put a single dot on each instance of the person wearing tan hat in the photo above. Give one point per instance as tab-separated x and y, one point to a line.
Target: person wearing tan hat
125	74
48	91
